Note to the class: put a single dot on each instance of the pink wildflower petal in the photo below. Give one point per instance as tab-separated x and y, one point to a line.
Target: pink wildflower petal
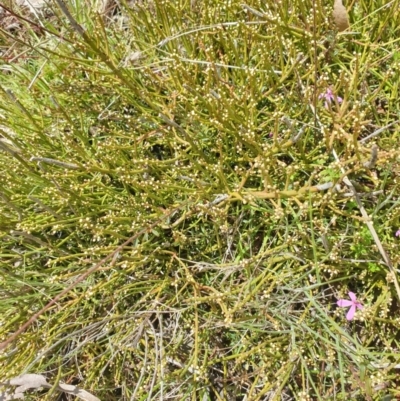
343	303
351	312
359	306
352	296
339	99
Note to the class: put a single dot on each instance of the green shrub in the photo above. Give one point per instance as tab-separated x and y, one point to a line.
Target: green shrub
223	141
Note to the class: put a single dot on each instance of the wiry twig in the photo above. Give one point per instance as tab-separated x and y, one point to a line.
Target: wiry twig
377	132
253	11
40	28
72	21
58	163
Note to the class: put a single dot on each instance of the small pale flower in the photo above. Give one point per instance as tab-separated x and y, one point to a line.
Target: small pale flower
352	302
397	233
329	97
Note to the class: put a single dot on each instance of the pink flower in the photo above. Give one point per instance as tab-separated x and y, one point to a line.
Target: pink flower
397	233
329	96
353	303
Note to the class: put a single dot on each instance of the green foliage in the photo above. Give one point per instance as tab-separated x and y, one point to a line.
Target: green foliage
201	124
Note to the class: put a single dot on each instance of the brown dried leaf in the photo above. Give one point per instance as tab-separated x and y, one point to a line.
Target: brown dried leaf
340	16
34	381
